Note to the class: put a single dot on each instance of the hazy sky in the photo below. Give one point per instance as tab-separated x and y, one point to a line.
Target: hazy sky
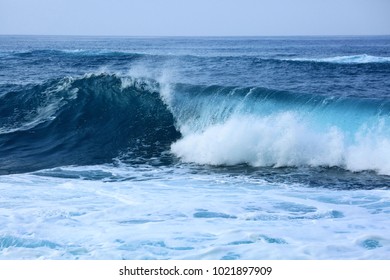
195	17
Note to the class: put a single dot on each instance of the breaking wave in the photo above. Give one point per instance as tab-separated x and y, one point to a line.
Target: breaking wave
95	118
262	127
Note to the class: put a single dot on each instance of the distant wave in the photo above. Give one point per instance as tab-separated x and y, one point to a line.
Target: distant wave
350	59
72	52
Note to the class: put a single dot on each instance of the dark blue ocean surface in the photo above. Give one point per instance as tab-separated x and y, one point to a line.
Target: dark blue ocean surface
253	139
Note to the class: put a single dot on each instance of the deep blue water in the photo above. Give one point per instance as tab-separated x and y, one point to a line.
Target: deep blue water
212	123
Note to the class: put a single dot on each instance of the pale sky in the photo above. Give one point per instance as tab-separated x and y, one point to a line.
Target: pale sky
195	17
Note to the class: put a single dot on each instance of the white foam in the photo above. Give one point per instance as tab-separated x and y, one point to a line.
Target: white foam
173	213
285	140
371	150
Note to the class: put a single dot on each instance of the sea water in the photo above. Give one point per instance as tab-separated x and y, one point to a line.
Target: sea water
194	148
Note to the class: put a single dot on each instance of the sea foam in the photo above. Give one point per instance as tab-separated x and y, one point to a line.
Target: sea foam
285	140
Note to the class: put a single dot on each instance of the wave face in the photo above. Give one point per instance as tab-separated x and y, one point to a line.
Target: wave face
261	127
88	120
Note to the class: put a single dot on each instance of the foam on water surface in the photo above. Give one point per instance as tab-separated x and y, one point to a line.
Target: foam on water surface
177	213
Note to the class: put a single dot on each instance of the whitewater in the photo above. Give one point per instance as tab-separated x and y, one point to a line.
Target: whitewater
194	148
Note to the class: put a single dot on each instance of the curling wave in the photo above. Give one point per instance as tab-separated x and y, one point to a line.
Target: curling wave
96	118
87	120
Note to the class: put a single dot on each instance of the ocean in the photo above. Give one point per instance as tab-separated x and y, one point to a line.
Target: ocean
194	148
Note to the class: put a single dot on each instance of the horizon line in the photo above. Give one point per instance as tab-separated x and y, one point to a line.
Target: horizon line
200	36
